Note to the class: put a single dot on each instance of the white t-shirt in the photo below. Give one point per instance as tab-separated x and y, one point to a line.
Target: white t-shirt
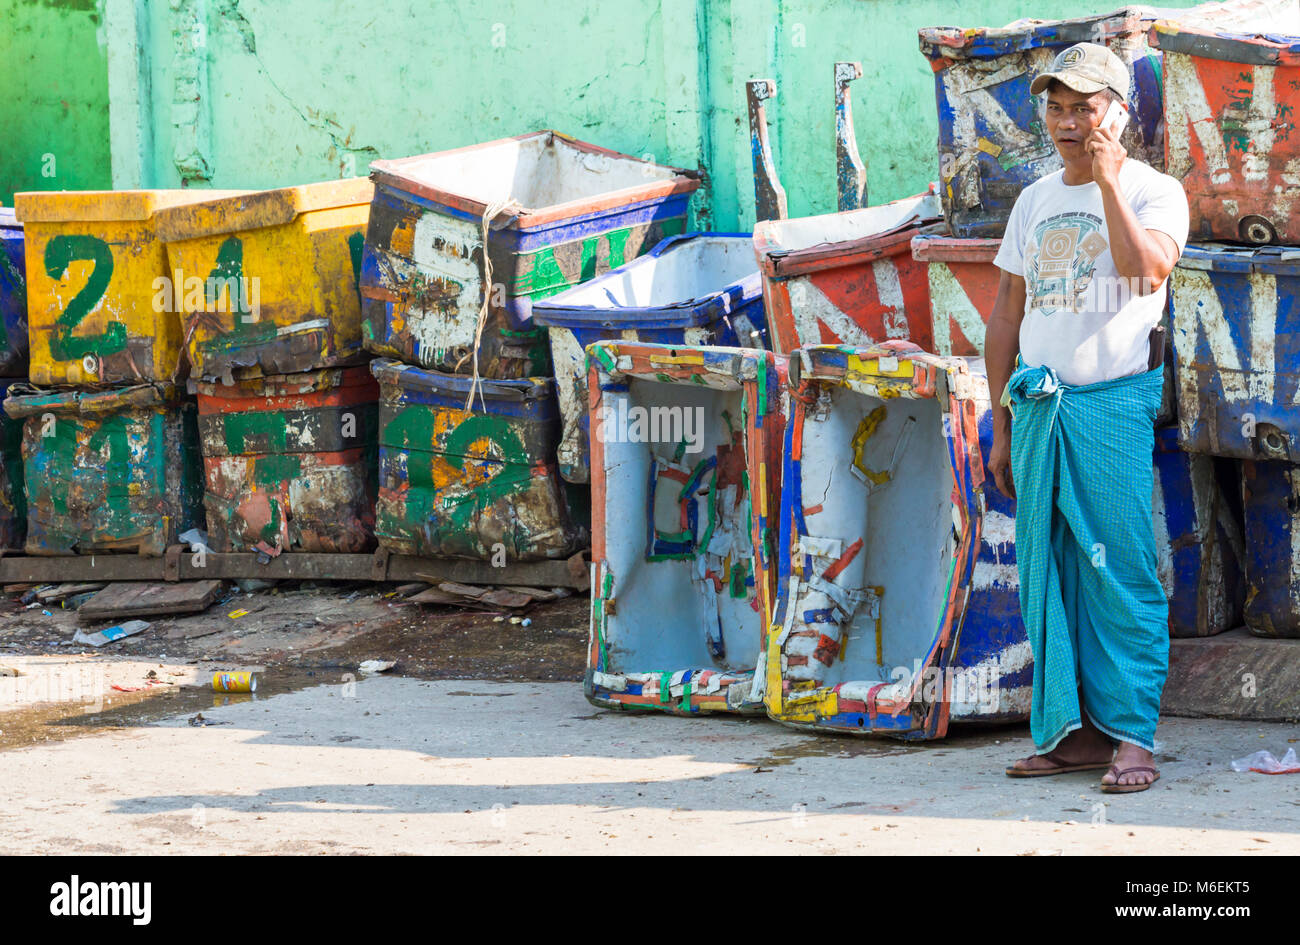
1081	318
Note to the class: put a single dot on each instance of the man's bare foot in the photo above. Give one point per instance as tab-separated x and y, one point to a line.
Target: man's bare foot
1131	756
1083	746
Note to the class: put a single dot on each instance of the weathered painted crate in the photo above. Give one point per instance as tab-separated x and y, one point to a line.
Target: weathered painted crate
269	280
108	471
695	289
1231	135
992	139
13	497
1271	506
880	537
290	461
470	483
1236	342
685	454
1199	552
563	212
847	277
99	307
13	297
963	287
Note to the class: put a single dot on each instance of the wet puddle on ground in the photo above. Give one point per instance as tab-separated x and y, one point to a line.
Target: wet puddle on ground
104	709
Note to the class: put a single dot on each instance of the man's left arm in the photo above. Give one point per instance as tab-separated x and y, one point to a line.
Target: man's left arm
1143	256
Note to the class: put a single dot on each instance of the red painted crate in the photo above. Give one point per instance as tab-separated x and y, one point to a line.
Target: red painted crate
963	287
1230	130
847	278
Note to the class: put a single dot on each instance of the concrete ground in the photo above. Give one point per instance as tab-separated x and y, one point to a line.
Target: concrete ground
327	764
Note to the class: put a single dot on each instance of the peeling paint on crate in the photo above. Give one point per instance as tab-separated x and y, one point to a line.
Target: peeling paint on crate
13	297
1236	341
269	280
13	497
695	289
963	288
847	278
866	633
1230	117
1271	500
93	261
478	483
422	270
290	460
108	471
682	541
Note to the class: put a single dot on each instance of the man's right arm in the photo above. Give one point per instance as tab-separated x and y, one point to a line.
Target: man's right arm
1001	345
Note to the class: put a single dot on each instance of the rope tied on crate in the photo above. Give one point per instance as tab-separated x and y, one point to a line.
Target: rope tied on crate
490	213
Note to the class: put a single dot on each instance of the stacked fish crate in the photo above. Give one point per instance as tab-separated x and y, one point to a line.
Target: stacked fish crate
109	440
266	290
461	244
1230	114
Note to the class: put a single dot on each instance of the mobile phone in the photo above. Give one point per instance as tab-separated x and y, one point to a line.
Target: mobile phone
1116	118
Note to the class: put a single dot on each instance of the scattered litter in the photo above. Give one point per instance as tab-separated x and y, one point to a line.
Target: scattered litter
265	550
406	590
46	613
111	634
526	622
234	681
200	720
60	592
253	585
196	538
1265	762
236	614
498	619
516	620
377	666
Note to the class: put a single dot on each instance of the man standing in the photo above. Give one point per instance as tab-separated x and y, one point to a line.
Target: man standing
1084	262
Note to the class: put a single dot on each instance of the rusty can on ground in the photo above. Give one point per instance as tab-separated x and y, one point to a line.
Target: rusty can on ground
269	280
101	308
1236	343
685	450
1271	501
568	211
237	681
13	496
993	141
696	289
108	471
289	460
13	297
847	278
477	482
1230	130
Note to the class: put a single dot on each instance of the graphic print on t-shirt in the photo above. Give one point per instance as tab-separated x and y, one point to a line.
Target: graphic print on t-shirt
1062	256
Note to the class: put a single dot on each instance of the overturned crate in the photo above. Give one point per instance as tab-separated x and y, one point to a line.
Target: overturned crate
473	478
880	536
685	447
269	280
1236	343
1230	118
553	211
1271	505
13	297
290	461
108	471
100	305
847	277
696	289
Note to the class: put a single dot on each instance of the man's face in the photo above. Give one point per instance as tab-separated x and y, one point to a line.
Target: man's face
1071	116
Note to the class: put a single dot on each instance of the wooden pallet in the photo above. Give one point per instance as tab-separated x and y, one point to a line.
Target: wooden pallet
180	564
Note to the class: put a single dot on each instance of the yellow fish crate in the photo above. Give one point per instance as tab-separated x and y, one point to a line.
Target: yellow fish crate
268	280
98	313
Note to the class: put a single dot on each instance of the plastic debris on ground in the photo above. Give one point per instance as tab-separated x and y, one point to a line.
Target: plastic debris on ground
1265	762
112	634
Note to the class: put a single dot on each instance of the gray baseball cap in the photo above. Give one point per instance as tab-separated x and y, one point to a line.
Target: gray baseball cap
1086	68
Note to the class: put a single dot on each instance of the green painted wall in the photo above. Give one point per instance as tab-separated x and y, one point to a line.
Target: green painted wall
261	93
54	98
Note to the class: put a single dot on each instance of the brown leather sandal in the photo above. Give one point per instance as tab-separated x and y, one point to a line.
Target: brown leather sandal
1060	766
1118	788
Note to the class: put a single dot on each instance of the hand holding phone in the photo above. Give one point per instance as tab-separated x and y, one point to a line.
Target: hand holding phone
1115	119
